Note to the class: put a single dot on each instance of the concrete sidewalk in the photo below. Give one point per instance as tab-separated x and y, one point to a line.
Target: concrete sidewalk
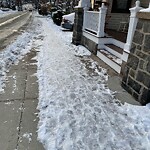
18	114
114	84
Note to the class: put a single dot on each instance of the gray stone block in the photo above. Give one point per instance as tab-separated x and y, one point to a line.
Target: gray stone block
132	73
133	48
133	61
141	64
134	85
148	67
143	78
127	88
138	37
145	97
125	75
139	47
147	41
146	27
141	55
135	95
140	25
146	49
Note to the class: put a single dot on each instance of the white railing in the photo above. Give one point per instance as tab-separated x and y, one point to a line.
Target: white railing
131	30
94	22
91	21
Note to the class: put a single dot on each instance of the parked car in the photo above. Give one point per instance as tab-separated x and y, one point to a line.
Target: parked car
5	9
68	21
57	17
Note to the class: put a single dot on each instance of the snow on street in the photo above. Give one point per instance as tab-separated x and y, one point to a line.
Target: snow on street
76	109
5	13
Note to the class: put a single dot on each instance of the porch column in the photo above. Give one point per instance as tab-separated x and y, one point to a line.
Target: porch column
131	30
102	16
85	21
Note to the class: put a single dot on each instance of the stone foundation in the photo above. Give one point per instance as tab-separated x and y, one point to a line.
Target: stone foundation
89	44
136	77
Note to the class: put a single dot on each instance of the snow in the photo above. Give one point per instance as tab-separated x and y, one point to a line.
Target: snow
28	136
77	111
5	13
13	53
69	17
146	10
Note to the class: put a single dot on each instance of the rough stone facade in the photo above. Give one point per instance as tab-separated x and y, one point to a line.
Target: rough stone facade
136	78
78	38
78	23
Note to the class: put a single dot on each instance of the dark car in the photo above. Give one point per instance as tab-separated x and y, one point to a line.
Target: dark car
68	21
57	17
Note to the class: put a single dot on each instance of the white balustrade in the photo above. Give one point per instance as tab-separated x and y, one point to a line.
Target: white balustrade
91	21
132	26
102	17
95	21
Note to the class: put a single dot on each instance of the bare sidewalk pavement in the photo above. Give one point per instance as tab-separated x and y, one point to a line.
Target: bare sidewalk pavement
18	114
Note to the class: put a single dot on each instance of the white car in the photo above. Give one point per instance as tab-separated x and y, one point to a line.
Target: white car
68	21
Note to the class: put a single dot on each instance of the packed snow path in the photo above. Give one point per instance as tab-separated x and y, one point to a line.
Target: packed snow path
77	110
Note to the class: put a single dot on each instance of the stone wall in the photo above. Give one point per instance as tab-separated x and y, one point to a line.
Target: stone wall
78	24
136	78
78	38
89	44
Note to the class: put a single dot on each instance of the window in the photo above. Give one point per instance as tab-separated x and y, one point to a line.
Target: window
121	6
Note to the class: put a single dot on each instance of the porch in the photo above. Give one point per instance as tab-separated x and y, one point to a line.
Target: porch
111	46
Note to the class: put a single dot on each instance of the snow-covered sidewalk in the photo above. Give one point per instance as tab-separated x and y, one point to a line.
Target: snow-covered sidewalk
77	110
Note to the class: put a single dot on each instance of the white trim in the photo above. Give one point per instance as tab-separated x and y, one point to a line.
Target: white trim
91	30
108	61
125	56
90	36
118	43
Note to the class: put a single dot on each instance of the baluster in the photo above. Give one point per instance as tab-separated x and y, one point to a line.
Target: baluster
102	16
132	26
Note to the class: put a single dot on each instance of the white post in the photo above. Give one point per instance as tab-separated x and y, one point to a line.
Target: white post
132	26
101	24
84	17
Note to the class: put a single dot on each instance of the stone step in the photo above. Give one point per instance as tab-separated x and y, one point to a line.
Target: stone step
114	50
113	61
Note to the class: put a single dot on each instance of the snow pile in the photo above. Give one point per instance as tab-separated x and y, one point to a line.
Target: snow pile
146	10
77	110
81	51
69	17
13	53
5	13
